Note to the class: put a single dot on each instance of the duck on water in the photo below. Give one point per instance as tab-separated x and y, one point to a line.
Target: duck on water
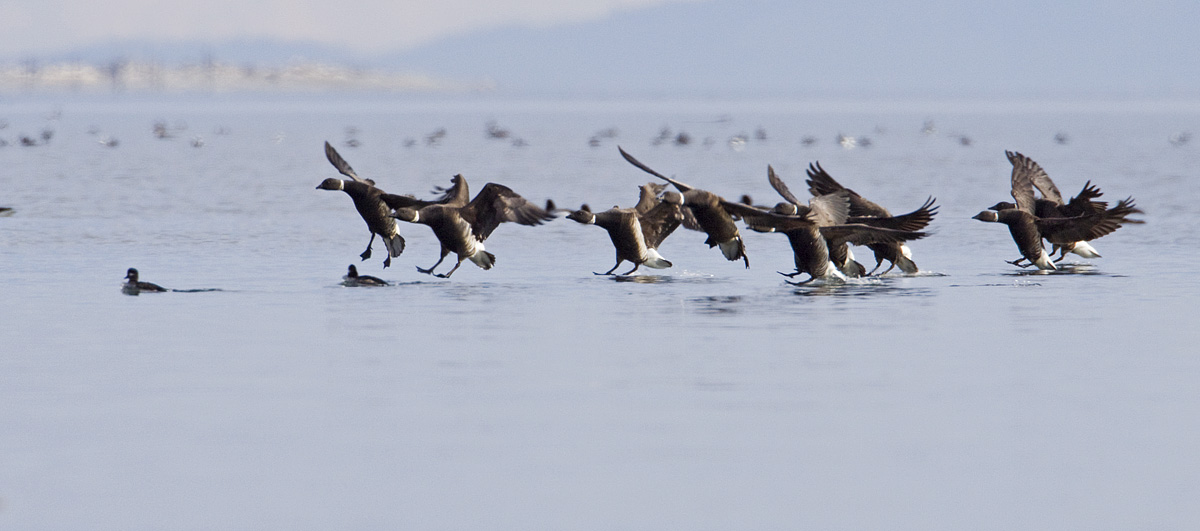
353	279
133	286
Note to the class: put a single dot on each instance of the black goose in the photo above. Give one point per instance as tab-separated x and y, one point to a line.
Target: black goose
1051	204
637	232
133	286
375	206
463	229
869	213
352	278
1028	229
816	230
710	212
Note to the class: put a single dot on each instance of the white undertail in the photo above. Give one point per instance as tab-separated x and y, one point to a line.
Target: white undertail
1085	250
905	262
655	260
732	249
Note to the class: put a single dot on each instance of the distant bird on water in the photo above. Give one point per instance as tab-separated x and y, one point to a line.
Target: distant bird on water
133	286
352	278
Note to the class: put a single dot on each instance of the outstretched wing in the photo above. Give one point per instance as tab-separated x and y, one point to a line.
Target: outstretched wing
342	166
659	222
1084	202
682	187
394	201
830	209
1035	175
648	196
821	183
781	187
915	220
1088	227
1023	173
859	234
498	204
456	195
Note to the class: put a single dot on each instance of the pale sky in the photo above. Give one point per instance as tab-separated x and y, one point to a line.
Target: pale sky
48	26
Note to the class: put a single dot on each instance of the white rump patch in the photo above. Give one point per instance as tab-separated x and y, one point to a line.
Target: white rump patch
732	249
1085	250
655	260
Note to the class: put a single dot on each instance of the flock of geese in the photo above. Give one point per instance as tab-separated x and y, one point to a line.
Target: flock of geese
820	230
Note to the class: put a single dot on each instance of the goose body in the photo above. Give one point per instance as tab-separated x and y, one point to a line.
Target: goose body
462	229
710	212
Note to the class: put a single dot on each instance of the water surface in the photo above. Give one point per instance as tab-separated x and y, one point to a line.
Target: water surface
538	395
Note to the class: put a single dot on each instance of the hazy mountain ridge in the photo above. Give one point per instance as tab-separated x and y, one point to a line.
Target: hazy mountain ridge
780	48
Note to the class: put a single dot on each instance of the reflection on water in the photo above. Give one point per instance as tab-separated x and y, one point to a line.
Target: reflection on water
859	289
717	305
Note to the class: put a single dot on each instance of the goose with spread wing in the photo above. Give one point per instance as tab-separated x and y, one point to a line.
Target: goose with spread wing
375	206
710	211
818	230
867	212
637	232
462	229
1028	228
1051	205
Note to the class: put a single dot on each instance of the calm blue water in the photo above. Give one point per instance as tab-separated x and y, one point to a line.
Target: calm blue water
540	396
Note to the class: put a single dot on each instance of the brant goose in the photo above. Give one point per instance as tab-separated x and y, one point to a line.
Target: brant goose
637	232
1051	204
1028	228
352	278
869	213
133	286
818	230
462	229
710	212
375	206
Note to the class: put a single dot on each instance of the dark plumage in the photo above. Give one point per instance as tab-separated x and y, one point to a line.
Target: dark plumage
375	206
1028	229
869	213
352	278
133	286
463	228
817	230
1028	175
710	212
637	232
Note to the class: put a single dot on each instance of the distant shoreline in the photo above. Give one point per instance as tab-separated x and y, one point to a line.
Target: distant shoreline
151	77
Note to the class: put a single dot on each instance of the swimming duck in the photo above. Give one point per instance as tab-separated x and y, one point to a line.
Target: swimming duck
352	278
637	232
869	213
818	230
463	229
1051	204
133	286
1028	229
710	212
375	206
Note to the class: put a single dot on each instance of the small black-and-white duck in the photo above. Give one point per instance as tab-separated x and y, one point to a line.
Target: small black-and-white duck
353	279
133	286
